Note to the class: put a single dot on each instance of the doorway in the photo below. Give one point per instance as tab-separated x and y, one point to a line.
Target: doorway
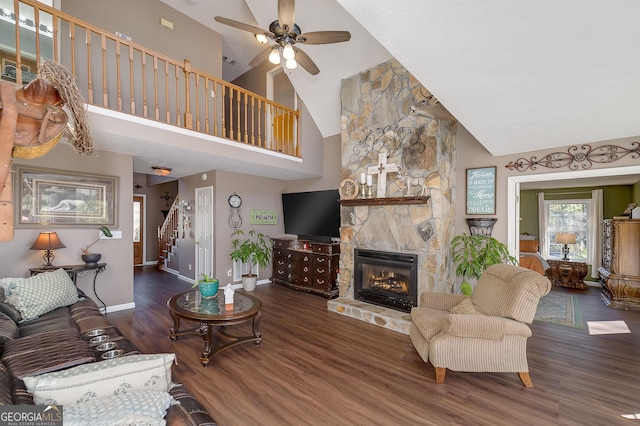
138	230
279	89
204	232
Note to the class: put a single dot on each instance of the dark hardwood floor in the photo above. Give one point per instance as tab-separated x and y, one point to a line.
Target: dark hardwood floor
316	367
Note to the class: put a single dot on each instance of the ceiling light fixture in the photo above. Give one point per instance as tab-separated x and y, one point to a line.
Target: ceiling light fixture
287	51
262	39
291	64
274	56
161	171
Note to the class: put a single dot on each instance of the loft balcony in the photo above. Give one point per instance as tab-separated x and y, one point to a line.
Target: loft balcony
139	99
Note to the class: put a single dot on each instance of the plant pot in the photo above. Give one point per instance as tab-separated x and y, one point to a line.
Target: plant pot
249	282
91	259
208	289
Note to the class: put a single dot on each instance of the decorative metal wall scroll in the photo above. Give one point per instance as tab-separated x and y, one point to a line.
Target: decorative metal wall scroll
389	138
577	158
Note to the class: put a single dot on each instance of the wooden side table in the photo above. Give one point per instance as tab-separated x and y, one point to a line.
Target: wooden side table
567	273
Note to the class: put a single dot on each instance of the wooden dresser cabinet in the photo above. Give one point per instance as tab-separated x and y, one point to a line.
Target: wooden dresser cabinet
620	271
305	265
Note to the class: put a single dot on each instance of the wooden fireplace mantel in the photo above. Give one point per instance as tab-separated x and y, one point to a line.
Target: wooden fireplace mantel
385	201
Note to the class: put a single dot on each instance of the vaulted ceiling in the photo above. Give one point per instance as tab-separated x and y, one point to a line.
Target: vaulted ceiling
519	75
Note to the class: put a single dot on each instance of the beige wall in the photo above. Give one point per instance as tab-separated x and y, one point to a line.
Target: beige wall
471	154
141	22
115	284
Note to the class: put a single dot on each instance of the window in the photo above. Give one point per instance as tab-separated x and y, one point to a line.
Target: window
568	216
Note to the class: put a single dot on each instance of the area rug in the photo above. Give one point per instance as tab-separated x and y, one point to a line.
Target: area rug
607	327
561	309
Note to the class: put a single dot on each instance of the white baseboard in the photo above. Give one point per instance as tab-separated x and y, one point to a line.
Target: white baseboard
122	307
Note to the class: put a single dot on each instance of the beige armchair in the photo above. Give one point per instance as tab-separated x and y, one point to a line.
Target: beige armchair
483	333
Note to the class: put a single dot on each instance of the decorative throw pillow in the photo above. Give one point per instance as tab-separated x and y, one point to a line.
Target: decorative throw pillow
465	307
41	293
529	246
135	408
105	378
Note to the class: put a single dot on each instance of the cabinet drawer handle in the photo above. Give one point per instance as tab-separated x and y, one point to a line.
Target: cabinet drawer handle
321	271
321	259
306	258
320	281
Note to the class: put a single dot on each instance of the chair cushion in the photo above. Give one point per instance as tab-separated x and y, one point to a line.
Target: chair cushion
428	321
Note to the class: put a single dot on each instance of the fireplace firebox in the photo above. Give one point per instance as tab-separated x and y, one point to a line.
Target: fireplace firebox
386	279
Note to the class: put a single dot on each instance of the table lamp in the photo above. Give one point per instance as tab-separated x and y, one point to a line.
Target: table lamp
562	238
48	241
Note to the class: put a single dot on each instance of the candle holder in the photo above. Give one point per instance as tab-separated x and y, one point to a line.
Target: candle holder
363	190
369	191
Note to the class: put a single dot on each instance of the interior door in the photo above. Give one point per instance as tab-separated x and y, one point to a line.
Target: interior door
138	230
204	232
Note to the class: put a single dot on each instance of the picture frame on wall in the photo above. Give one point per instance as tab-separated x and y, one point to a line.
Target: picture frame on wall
481	191
56	197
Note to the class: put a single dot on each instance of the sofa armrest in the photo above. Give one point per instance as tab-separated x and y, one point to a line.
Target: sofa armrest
440	301
189	411
483	327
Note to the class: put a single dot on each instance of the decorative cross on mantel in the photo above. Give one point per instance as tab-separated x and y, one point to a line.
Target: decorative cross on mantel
381	169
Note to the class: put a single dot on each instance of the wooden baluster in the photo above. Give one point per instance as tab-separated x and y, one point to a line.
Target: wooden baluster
177	78
222	112
197	81
253	120
56	54
166	92
16	11
72	30
246	130
118	76
206	105
132	101
143	59
188	118
298	133
87	38
156	108
105	94
36	18
239	130
230	112
260	142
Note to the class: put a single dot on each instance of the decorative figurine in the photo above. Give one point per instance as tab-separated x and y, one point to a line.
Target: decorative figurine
228	297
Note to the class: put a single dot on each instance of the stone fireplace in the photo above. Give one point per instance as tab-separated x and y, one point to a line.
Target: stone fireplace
382	112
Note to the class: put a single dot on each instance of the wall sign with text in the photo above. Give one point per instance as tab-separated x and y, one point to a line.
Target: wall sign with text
481	190
264	217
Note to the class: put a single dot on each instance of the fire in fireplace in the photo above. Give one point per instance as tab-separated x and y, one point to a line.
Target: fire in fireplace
385	278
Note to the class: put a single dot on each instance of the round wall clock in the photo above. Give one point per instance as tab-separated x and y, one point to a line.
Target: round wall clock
235	220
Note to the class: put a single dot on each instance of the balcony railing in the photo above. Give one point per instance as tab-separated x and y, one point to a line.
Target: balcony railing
113	72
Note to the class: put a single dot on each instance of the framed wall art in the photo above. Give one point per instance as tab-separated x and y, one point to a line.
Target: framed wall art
56	197
481	190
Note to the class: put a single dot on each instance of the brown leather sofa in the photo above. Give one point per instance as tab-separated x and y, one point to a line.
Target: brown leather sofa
61	339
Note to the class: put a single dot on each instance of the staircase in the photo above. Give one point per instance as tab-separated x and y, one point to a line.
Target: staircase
168	234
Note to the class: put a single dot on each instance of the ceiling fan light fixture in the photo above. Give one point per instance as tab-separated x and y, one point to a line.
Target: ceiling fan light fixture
262	39
291	64
287	52
274	56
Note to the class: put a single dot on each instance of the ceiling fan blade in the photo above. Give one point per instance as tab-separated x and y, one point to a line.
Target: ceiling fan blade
260	57
305	61
286	14
242	26
324	37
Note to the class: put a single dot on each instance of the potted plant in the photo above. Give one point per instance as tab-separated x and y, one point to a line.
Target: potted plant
91	259
472	254
254	249
208	286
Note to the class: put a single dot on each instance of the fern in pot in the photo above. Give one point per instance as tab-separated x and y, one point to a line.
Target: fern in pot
472	254
253	249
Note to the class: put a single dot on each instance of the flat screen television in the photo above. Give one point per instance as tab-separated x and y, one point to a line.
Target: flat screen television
313	215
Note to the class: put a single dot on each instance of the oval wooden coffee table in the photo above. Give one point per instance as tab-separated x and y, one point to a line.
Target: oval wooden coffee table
213	318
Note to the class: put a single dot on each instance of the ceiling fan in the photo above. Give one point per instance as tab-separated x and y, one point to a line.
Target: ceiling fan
286	34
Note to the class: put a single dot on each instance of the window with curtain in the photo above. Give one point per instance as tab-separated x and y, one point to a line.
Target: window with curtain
569	216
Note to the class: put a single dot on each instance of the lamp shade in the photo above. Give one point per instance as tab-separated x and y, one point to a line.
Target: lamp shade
47	241
562	238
